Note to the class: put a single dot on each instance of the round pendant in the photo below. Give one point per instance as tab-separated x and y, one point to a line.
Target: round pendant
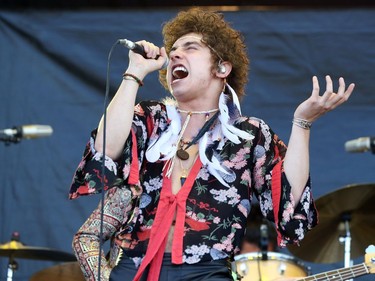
182	154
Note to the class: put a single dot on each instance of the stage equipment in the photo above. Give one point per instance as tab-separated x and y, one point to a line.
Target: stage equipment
67	271
17	133
252	266
346	226
361	145
15	249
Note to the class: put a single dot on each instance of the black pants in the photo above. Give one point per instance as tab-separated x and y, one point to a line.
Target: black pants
203	271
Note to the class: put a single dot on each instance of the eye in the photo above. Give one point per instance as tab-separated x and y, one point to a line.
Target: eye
189	48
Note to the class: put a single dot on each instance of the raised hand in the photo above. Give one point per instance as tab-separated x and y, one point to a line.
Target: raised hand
156	58
317	105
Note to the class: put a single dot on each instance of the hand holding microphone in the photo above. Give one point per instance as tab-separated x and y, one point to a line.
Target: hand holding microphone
140	49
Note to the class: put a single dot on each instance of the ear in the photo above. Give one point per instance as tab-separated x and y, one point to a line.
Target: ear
223	69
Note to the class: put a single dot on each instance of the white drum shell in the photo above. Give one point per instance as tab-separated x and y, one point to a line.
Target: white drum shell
251	267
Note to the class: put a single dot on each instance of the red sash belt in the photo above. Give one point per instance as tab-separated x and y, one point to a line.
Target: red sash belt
169	204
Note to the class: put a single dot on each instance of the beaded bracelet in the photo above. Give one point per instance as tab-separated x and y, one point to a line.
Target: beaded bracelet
133	77
302	123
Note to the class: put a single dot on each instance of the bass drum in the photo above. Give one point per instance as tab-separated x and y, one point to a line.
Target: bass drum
251	267
67	271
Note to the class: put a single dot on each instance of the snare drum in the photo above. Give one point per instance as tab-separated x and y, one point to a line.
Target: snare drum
251	267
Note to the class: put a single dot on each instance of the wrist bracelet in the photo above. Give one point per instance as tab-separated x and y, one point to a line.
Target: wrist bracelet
302	123
132	77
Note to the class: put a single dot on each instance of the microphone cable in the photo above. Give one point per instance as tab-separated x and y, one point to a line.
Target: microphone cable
101	242
139	49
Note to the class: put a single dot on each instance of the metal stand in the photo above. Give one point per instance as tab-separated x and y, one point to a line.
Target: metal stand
346	240
9	139
12	267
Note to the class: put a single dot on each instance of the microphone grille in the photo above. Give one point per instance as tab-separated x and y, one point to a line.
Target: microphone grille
358	145
36	131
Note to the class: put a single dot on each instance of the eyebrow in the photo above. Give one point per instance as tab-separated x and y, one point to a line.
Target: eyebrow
199	43
187	44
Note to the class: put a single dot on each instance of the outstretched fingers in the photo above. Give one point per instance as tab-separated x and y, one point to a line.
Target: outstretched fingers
343	92
341	96
317	105
329	89
330	100
316	87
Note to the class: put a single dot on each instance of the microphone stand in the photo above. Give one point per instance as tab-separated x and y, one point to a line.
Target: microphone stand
264	241
9	139
372	146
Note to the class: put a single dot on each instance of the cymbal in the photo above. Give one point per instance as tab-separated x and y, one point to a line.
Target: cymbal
353	206
15	249
63	272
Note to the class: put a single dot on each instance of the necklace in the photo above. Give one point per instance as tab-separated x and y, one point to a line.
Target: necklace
184	171
181	152
198	112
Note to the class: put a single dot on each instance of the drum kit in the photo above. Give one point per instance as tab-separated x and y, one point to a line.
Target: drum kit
14	249
346	227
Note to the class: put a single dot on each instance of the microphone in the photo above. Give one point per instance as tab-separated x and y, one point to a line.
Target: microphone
26	132
264	240
361	145
137	48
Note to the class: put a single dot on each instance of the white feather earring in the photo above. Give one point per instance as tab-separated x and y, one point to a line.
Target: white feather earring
165	145
212	167
230	131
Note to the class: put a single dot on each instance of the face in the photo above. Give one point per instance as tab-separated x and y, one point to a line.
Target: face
189	74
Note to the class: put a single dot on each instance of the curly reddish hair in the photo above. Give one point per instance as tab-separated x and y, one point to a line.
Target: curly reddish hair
218	35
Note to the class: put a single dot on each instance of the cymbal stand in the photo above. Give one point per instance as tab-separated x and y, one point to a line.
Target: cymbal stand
12	264
12	267
346	240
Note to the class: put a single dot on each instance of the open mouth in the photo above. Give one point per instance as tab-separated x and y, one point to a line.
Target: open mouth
179	72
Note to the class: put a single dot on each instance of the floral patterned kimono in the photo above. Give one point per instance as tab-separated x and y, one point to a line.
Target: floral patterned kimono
239	158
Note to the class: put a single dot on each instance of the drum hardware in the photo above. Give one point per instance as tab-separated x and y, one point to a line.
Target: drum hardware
346	240
15	249
282	269
243	269
368	267
67	271
235	271
346	226
251	267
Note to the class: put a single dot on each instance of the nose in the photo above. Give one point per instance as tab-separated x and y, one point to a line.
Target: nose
175	54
